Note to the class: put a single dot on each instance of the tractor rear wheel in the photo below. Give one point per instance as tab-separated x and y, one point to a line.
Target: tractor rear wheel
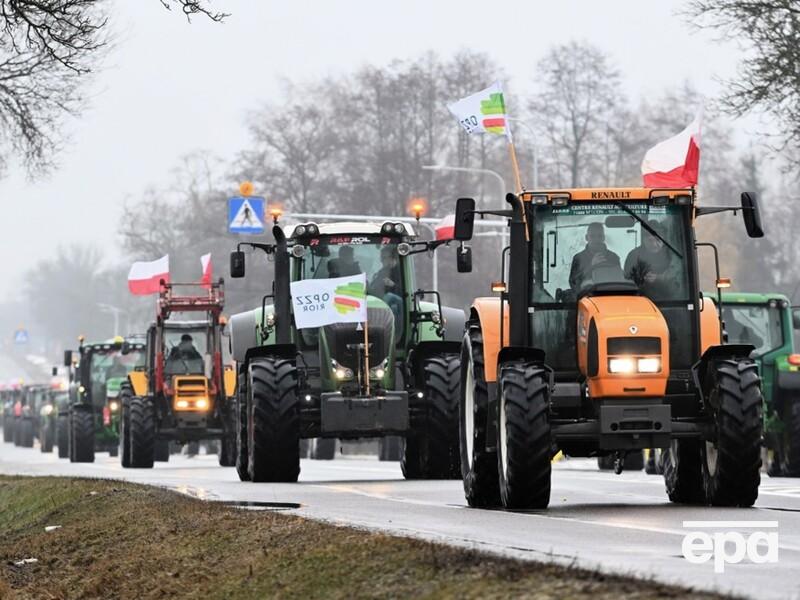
241	430
524	442
431	449
731	464
81	434
25	433
390	448
62	436
273	420
323	448
478	465
790	453
142	436
683	476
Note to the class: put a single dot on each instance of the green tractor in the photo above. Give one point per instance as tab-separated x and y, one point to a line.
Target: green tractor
93	411
26	414
400	377
767	321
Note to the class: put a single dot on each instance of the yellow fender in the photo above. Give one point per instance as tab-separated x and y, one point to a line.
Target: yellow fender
138	381
230	382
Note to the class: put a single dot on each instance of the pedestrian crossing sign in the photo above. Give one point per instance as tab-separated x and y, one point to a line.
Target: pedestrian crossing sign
246	214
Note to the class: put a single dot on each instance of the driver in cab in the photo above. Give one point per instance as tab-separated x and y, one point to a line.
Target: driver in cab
595	255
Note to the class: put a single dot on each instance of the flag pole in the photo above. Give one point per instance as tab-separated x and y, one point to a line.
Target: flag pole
366	350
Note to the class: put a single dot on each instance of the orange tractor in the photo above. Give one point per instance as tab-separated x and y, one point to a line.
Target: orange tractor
600	343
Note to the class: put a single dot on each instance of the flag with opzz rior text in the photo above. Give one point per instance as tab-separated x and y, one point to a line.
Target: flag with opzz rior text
320	302
484	112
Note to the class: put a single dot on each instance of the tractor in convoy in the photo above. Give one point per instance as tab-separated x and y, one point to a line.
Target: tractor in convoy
91	417
181	392
400	378
56	399
767	322
25	411
600	342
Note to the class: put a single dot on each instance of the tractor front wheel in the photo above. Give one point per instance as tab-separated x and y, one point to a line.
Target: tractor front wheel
524	442
26	433
431	450
81	434
731	464
323	448
142	421
273	420
478	465
125	396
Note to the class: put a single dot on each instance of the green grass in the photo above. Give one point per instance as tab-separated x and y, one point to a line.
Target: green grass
122	540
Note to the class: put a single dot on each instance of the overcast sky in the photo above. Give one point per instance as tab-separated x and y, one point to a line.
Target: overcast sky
170	88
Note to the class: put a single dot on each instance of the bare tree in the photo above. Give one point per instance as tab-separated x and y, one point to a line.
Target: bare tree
769	74
48	51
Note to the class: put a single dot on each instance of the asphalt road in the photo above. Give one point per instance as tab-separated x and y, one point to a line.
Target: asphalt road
622	524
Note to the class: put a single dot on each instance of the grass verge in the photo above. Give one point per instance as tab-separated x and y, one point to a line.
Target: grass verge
120	540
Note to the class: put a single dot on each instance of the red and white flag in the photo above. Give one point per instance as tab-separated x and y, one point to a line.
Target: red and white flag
145	277
205	261
674	162
446	228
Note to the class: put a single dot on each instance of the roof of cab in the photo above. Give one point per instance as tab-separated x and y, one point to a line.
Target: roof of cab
349	227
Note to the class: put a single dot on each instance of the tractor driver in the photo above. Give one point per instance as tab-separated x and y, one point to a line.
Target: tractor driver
648	265
345	265
595	254
387	285
185	350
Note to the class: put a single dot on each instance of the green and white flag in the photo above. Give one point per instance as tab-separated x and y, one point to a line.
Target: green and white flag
484	112
320	302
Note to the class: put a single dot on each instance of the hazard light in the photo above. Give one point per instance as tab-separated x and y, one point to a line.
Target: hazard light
794	360
246	188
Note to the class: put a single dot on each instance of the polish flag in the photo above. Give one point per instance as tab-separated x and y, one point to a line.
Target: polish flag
145	277
445	229
674	162
205	261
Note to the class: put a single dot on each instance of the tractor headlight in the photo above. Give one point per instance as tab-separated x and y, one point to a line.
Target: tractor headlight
621	365
649	365
201	404
341	373
379	372
47	410
113	406
182	404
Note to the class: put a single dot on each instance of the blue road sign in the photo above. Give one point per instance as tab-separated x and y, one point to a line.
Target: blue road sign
246	215
21	336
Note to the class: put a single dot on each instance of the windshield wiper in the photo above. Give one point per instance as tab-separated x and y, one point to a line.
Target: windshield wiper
647	227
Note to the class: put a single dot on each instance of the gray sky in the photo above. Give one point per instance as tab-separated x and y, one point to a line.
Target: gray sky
170	88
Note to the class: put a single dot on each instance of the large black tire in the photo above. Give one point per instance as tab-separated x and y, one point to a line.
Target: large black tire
241	430
8	428
731	465
790	451
125	396
683	475
524	443
161	451
605	462
227	446
431	449
390	448
46	436
81	434
323	449
142	433
273	420
478	466
62	436
25	433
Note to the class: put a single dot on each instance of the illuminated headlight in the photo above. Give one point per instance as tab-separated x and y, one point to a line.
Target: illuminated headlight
649	365
341	373
47	409
81	389
113	406
182	404
621	365
379	372
201	404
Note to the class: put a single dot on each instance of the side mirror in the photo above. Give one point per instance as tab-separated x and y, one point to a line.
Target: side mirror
465	219
237	264
751	215
54	372
796	318
67	358
464	259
